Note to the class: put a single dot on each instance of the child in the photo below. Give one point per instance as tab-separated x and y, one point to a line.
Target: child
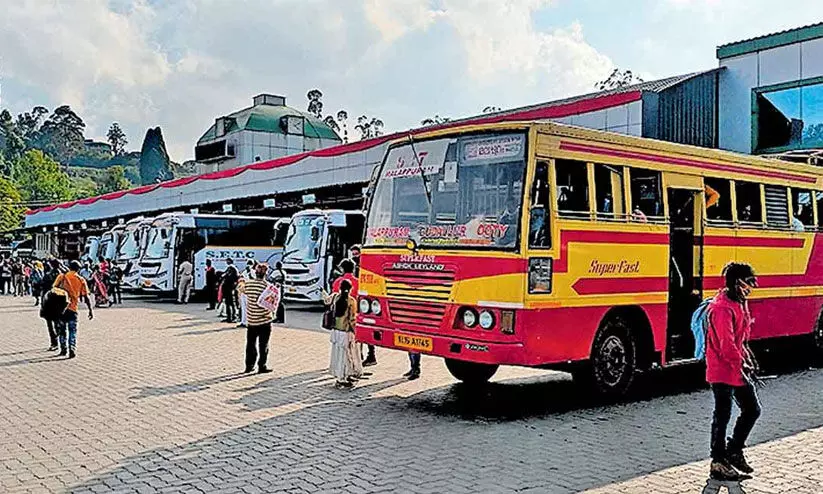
345	363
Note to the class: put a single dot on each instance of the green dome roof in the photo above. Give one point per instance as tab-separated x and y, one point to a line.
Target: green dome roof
266	118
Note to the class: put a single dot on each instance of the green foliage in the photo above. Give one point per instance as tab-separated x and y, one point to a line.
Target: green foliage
11	207
115	179
369	127
618	79
117	139
83	187
13	143
40	178
61	135
154	159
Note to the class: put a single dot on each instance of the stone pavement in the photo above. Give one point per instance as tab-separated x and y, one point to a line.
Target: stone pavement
154	403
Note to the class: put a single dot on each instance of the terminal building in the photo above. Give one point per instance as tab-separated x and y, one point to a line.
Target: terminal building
764	97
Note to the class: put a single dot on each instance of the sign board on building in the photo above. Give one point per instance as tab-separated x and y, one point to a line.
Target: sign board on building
268	203
104	223
194	210
83	226
309	199
228	208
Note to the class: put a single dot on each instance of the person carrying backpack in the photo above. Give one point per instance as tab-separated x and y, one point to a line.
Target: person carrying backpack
51	306
729	367
76	290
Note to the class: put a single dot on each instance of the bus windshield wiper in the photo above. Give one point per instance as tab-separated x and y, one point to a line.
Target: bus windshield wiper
422	174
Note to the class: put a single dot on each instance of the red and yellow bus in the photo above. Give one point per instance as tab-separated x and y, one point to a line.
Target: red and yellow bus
544	245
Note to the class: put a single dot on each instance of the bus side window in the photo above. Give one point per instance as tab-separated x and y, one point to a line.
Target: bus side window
749	202
803	212
572	188
647	195
718	200
539	226
608	188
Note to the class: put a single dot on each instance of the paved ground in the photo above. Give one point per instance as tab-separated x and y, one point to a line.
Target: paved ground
154	403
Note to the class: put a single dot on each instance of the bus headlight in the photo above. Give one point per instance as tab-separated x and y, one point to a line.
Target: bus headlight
375	307
486	319
364	306
469	318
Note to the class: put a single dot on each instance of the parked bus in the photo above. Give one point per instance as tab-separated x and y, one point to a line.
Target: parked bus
176	236
109	243
130	249
543	245
90	249
316	243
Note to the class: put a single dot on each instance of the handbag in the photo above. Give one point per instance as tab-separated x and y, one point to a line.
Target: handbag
328	315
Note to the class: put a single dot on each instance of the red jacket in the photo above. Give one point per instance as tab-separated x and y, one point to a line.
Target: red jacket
730	324
352	279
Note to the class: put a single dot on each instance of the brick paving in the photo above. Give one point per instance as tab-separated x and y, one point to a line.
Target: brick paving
155	403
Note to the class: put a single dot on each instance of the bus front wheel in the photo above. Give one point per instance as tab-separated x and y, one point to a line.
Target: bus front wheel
470	372
613	362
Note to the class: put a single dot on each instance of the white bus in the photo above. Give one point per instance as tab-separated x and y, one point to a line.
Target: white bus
317	241
130	249
174	237
90	249
109	242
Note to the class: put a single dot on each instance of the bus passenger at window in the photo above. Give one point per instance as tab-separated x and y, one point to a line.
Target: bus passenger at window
746	214
639	216
712	196
537	227
608	204
797	225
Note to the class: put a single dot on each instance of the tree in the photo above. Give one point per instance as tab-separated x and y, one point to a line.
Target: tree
154	159
618	79
369	127
315	107
331	122
13	143
343	120
491	109
436	120
117	139
39	178
11	206
114	180
61	135
28	124
83	187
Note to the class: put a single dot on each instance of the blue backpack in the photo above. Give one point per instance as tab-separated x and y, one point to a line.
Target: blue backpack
700	325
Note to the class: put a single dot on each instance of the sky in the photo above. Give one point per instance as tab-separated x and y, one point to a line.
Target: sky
179	64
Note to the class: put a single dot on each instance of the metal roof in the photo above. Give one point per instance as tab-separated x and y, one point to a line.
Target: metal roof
655	86
773	40
266	118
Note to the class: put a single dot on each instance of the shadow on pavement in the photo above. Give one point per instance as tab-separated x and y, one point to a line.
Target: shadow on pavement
189	387
544	435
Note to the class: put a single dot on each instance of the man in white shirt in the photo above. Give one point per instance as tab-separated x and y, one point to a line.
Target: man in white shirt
184	281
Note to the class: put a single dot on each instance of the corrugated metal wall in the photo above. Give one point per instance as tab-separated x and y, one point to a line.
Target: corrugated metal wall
686	113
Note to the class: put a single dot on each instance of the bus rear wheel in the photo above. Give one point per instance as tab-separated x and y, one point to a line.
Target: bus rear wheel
470	372
613	363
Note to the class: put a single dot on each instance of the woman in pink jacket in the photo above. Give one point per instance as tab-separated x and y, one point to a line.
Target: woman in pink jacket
729	362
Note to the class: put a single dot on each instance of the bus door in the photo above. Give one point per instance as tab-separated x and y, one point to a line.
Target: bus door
685	267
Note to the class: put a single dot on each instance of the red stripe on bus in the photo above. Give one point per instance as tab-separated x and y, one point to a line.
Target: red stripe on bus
586	148
785	243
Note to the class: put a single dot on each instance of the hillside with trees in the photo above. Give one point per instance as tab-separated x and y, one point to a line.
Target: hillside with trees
46	159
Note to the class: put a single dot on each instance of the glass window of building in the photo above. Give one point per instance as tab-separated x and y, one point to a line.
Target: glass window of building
790	118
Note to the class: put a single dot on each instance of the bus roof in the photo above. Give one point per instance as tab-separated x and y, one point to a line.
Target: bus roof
316	211
180	217
611	138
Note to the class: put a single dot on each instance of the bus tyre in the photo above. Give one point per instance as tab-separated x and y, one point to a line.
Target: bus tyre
470	372
614	358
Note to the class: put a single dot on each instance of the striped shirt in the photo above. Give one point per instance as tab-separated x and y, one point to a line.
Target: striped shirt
256	315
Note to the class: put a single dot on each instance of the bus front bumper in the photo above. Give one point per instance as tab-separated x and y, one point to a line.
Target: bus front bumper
444	346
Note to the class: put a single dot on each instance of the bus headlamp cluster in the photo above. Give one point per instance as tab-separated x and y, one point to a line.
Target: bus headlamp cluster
372	306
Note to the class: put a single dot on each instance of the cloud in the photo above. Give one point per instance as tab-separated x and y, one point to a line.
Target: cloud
179	64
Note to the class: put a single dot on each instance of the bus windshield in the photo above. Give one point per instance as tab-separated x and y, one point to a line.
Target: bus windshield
463	191
129	246
303	239
159	243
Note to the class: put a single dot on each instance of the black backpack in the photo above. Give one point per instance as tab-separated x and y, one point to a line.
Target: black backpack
54	304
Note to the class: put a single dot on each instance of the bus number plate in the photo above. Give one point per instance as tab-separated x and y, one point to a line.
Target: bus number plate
413	342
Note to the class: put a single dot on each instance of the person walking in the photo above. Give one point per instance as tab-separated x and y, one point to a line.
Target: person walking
345	362
229	287
36	281
5	276
76	289
729	367
50	273
211	285
258	329
116	283
184	281
17	278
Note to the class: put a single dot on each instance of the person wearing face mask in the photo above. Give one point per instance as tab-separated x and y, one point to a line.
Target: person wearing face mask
730	366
